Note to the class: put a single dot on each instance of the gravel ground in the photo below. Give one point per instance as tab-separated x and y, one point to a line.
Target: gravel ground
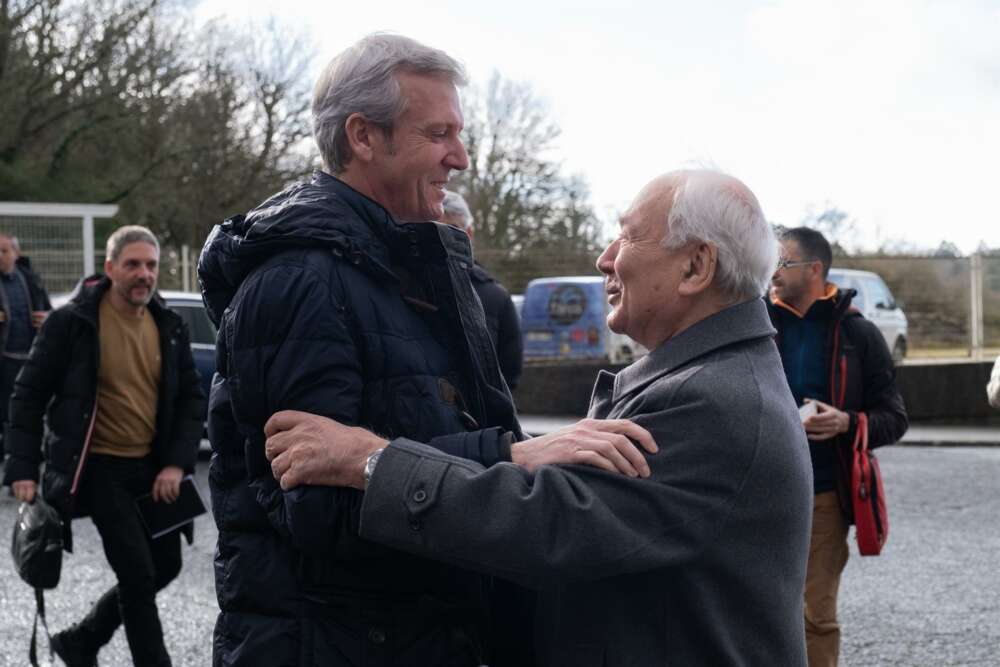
932	598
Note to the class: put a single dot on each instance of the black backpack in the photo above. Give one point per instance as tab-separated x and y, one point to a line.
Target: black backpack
36	548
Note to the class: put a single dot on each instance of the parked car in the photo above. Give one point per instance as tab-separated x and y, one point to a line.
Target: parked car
566	318
877	304
192	310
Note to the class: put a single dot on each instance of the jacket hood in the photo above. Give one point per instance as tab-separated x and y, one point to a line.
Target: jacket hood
323	211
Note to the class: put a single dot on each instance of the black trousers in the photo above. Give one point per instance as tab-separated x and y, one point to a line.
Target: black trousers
142	565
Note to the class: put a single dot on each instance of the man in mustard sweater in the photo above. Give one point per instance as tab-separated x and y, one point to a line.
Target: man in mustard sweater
113	374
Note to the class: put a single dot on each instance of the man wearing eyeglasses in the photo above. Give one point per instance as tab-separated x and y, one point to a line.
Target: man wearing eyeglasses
837	360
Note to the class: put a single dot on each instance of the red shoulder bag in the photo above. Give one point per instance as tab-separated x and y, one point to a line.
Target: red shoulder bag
871	520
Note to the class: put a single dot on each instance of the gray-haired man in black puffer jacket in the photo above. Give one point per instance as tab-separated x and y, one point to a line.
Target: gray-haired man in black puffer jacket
338	297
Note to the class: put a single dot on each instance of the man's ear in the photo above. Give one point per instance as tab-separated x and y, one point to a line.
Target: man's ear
699	271
361	137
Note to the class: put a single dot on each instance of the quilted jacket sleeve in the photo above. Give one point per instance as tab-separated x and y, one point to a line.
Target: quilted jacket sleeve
289	348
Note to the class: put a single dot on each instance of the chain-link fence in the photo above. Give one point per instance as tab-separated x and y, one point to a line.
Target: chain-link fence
952	305
54	246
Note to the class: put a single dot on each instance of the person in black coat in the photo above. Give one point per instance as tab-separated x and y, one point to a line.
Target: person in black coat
502	320
338	296
839	361
111	395
24	304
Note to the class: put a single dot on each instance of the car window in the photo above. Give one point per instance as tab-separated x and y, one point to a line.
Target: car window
201	328
879	293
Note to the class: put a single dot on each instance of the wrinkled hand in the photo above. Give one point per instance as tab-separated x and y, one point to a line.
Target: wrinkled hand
38	317
827	423
308	449
25	490
167	485
602	443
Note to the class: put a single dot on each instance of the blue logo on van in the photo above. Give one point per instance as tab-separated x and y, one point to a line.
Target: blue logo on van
567	304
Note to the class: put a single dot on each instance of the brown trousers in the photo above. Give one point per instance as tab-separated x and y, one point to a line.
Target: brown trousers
827	558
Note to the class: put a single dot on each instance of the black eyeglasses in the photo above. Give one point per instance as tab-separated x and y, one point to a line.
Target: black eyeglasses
787	264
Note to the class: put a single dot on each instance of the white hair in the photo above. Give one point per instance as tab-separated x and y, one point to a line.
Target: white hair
716	208
456	208
362	79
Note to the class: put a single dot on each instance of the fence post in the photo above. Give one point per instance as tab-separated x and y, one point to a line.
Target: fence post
88	245
976	306
186	267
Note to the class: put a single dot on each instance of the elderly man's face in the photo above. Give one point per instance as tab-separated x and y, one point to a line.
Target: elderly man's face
8	255
641	276
413	166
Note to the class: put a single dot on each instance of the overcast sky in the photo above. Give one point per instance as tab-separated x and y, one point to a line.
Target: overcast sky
889	110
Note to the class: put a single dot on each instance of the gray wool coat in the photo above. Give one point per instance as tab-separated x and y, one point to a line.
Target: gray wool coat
701	564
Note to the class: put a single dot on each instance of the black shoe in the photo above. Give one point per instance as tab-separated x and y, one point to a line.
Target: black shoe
71	653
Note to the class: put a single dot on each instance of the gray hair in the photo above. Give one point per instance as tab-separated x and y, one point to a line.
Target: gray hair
716	208
362	79
126	235
455	207
13	241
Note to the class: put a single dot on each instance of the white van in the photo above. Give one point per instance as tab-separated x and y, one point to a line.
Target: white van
877	304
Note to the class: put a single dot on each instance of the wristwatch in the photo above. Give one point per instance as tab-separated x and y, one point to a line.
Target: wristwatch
370	465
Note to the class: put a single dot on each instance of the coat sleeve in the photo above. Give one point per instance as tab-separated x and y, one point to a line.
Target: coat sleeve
882	402
189	412
993	388
510	349
47	363
290	348
566	523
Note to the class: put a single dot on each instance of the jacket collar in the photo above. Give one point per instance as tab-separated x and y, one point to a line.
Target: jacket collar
834	304
86	300
741	322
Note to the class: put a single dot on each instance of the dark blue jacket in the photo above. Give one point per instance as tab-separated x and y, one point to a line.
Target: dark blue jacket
325	304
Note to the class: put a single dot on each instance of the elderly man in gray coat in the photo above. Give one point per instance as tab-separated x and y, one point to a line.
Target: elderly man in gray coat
703	562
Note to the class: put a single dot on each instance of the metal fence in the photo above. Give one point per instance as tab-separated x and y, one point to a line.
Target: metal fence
952	305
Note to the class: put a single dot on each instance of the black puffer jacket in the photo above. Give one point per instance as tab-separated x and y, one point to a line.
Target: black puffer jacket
862	379
326	304
63	365
502	322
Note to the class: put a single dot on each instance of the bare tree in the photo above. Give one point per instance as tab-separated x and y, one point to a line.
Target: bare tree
123	101
519	197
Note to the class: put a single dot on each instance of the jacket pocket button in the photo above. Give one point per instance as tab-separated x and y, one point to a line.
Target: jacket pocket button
420	496
376	636
415	526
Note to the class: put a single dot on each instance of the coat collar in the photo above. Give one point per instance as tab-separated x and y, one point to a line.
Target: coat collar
744	321
86	301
